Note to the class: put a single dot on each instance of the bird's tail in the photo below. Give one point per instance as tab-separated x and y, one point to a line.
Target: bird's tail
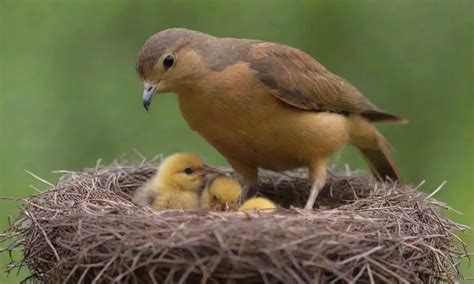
374	147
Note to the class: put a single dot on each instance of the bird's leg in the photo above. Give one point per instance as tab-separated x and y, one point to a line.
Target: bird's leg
248	176
318	179
245	192
246	188
315	188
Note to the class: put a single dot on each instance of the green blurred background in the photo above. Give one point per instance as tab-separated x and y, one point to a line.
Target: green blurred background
69	94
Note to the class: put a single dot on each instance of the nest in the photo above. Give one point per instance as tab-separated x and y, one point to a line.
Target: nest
86	229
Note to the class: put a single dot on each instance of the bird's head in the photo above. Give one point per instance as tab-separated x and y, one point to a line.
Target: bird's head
183	171
226	191
170	60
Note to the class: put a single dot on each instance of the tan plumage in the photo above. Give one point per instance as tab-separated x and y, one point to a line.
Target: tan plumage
299	80
259	204
176	183
264	105
222	194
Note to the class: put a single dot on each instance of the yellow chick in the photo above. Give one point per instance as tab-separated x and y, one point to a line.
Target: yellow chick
222	194
258	203
144	195
176	184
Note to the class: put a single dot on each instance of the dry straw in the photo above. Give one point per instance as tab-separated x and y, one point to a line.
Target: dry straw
86	229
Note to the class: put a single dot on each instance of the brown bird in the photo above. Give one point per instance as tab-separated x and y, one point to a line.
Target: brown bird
264	105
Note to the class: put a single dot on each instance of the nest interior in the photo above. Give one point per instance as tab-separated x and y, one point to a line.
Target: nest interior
86	229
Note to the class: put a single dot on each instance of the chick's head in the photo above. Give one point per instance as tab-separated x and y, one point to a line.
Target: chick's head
183	171
225	191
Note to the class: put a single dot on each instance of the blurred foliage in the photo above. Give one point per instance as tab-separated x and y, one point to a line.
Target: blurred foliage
69	94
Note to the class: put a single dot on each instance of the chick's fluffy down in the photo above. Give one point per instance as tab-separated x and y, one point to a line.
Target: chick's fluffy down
221	194
257	204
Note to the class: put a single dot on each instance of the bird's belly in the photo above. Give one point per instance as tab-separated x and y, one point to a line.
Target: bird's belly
266	134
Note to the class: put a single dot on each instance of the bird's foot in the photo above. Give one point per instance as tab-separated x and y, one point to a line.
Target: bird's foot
312	196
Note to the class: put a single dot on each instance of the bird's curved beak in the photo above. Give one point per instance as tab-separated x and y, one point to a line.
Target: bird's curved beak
148	92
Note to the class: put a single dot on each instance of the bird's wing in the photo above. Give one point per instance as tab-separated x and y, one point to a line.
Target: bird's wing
299	80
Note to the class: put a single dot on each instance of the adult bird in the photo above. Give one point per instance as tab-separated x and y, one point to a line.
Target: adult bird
263	105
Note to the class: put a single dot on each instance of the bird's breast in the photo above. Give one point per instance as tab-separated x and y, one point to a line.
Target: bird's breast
244	122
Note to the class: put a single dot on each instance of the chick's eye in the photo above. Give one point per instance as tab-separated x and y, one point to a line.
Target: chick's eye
168	62
188	171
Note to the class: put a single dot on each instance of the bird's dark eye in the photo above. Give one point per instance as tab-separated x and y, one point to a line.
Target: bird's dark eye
168	62
188	171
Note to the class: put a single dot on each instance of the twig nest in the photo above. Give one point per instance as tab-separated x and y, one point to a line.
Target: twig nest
86	229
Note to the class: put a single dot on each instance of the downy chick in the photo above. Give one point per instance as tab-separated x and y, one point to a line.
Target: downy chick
222	194
176	184
258	203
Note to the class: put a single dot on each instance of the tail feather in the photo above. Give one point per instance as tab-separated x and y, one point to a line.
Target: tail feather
375	149
381	165
376	116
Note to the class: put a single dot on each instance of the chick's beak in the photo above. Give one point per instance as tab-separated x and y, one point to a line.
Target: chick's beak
210	170
148	93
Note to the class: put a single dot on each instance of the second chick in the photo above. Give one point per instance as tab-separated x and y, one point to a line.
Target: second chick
222	194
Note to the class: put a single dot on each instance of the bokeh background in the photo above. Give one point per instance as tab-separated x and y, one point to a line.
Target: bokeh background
69	94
